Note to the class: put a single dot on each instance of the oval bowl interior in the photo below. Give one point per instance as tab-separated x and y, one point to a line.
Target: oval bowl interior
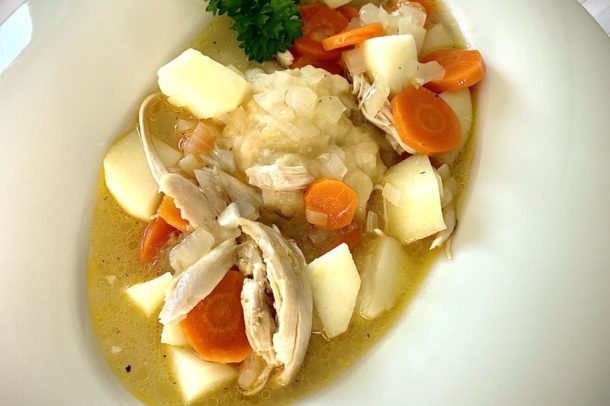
519	315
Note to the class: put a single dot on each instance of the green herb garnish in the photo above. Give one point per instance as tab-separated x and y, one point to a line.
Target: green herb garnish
264	27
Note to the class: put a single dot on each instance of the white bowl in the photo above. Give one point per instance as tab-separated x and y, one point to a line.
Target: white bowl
518	317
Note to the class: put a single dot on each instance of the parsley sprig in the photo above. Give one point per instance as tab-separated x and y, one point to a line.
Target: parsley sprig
264	27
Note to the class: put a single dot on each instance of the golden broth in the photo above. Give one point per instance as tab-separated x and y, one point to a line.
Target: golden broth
131	343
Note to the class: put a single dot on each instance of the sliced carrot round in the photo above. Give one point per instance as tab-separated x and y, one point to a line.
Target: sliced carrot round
425	122
215	328
331	67
313	49
353	36
463	68
334	199
156	234
171	214
349	12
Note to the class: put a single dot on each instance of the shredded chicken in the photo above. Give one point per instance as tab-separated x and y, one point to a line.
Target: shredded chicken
196	282
291	293
384	120
279	177
237	190
194	205
253	374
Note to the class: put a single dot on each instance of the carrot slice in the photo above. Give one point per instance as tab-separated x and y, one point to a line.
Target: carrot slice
171	214
349	12
313	49
334	199
353	36
425	122
215	327
321	21
156	235
463	68
332	67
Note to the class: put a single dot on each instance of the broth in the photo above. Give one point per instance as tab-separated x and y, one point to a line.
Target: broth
131	343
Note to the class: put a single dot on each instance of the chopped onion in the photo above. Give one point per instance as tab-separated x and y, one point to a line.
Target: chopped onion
188	164
316	218
230	216
442	236
372	221
444	171
354	61
450	190
417	15
225	159
333	165
427	72
329	110
201	139
185	125
302	100
376	97
285	59
355	23
281	125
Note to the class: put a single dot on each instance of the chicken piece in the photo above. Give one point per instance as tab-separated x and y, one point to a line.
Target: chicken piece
383	119
237	190
253	374
194	205
196	282
285	268
212	189
279	177
258	316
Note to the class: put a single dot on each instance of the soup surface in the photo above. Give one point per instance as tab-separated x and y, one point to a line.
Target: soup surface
130	342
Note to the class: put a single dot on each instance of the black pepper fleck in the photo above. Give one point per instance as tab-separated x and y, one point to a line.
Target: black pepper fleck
164	356
128	368
422	173
368	335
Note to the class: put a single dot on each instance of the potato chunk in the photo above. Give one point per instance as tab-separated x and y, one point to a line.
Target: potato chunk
128	177
380	274
413	196
334	283
197	377
172	335
202	85
392	58
149	295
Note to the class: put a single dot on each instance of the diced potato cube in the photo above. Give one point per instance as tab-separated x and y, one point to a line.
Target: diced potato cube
413	196
437	38
172	335
461	104
197	377
380	274
202	85
334	283
128	176
149	296
392	58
